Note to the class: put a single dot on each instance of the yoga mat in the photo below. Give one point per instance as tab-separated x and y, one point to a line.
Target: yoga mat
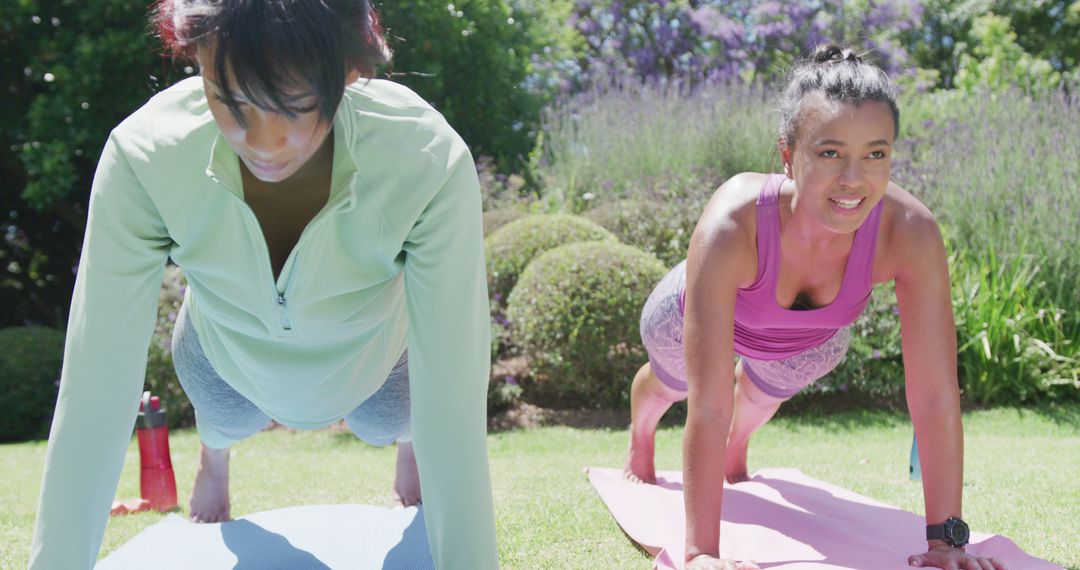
349	537
786	520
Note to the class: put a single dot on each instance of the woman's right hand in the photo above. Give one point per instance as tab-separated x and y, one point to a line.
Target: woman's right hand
706	562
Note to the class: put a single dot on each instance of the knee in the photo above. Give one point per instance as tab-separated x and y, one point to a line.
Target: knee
377	431
749	389
647	384
218	430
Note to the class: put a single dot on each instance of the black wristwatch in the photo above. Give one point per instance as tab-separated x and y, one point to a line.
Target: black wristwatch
953	531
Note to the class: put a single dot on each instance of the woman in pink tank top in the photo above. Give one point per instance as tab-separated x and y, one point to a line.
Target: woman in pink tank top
779	266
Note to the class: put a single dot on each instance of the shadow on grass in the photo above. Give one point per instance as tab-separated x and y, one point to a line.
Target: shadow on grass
1063	415
815	411
838	412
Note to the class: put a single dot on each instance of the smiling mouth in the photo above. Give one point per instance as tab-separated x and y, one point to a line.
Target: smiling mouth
847	204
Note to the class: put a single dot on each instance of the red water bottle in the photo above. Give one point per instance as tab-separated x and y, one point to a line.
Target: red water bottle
156	479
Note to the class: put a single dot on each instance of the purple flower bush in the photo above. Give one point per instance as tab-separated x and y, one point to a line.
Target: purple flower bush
717	40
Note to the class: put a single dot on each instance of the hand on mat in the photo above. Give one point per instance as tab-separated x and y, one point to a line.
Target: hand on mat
706	562
951	558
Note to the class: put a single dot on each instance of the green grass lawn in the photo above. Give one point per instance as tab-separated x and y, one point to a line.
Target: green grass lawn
1021	480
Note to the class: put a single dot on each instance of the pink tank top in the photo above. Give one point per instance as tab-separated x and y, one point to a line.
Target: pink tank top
766	331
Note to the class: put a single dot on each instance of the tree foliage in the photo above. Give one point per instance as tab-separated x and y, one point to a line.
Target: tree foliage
470	59
70	71
996	61
1045	29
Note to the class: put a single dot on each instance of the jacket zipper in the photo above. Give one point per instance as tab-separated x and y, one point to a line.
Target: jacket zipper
280	298
283	309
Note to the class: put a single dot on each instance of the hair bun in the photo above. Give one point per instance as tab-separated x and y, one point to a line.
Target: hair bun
832	53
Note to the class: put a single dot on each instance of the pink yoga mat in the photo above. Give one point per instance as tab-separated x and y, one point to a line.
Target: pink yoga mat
785	520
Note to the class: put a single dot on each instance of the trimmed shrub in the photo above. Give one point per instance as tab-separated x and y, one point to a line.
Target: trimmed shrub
660	227
30	360
160	374
575	312
496	219
510	249
503	393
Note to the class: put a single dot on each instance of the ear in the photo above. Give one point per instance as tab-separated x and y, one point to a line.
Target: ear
785	155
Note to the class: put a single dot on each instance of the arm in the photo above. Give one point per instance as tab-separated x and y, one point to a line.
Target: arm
714	266
449	361
928	340
112	317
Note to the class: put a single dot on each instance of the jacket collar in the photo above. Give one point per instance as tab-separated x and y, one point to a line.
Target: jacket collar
224	164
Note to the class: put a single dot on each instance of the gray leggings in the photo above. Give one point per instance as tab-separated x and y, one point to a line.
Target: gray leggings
223	416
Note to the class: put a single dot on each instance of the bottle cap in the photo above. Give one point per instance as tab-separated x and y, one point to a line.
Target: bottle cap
155	417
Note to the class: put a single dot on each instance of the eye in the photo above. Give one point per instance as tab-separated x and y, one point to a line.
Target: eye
225	101
829	154
303	110
878	154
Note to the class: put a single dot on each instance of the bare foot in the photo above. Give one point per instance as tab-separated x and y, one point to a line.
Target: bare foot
406	477
210	496
735	462
639	460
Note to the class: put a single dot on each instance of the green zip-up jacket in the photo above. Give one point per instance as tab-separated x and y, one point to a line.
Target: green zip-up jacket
394	259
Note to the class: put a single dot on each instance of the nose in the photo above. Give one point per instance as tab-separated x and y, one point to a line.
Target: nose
851	174
266	134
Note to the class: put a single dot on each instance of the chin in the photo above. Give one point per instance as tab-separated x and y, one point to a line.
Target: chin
271	175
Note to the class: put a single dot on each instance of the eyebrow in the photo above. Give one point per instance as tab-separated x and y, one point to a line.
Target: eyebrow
287	99
831	142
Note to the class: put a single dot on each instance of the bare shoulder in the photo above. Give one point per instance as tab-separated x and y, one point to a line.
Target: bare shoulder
908	234
725	235
733	204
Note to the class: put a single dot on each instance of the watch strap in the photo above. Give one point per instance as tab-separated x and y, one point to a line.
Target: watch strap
935	532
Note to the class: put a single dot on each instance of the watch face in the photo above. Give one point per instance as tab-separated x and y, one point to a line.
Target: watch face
956	532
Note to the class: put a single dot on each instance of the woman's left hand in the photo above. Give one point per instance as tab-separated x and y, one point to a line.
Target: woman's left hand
951	558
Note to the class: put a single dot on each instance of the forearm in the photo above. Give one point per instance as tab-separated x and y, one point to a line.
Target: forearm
458	506
704	448
940	436
78	485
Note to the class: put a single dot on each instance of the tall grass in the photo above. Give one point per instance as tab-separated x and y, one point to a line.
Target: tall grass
1002	171
611	141
1015	343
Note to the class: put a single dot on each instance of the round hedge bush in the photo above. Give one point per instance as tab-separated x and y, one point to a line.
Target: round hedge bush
160	374
660	227
30	360
510	249
495	219
575	312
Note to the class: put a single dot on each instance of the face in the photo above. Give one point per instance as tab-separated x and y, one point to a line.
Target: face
271	145
841	162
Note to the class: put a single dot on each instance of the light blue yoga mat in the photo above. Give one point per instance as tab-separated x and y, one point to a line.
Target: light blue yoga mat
346	537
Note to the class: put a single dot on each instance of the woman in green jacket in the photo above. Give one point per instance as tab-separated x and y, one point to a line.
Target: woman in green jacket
325	221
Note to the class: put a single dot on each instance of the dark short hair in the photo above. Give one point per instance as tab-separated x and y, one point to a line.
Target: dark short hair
839	74
272	46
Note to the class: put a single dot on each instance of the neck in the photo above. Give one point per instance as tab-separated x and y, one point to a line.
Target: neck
319	164
802	228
